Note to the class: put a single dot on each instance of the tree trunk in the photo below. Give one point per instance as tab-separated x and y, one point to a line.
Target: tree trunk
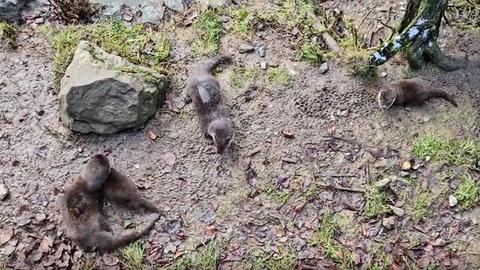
417	37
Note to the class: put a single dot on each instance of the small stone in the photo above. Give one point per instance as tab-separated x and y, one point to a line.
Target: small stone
417	166
3	192
225	19
399	212
383	183
324	68
39	20
404	174
452	201
428	158
383	74
245	48
263	65
406	166
261	51
388	223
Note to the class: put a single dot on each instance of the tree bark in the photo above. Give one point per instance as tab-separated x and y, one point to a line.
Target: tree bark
417	37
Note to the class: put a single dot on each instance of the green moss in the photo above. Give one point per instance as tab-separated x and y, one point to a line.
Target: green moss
467	192
311	52
113	36
375	203
240	76
454	151
278	75
134	255
419	206
208	31
279	196
8	33
241	20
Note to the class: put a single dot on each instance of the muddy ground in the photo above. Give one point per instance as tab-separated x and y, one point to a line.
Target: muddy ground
332	124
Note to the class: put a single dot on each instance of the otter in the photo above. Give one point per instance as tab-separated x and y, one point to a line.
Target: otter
204	90
409	91
81	209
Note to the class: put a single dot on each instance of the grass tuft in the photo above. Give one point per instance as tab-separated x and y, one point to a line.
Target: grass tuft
467	192
324	235
113	36
8	33
206	259
241	21
419	208
293	13
279	196
208	31
311	52
286	259
454	151
375	203
240	76
133	255
278	75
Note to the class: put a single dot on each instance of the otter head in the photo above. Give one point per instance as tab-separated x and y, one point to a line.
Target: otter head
96	172
386	97
221	132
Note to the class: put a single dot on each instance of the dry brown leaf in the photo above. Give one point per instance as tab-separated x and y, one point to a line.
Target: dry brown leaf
5	235
46	244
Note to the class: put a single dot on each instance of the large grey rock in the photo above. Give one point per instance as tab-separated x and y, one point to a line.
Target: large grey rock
10	10
149	11
103	93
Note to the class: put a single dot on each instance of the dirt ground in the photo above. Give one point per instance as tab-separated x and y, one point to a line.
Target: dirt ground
334	123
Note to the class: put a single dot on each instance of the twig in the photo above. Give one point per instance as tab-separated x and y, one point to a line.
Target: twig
337	175
386	25
366	15
338	187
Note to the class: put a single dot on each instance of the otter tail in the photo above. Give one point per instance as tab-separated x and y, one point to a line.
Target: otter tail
209	64
444	95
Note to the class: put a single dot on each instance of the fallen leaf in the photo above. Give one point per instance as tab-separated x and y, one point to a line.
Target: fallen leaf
210	230
110	260
152	135
46	244
5	235
169	159
282	181
406	166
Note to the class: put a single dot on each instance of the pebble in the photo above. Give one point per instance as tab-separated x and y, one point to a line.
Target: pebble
261	51
263	65
39	20
324	68
383	74
388	223
383	183
399	212
452	201
406	166
428	158
245	48
3	192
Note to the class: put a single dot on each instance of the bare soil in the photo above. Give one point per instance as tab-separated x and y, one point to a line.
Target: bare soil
334	123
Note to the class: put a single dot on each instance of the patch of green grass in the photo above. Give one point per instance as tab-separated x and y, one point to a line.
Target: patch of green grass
467	192
419	207
279	196
454	151
240	76
8	33
86	264
241	20
133	255
375	203
323	237
207	258
311	52
127	41
293	13
208	31
278	75
285	260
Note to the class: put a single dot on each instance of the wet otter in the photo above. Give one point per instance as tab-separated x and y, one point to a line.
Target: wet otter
81	208
409	91
204	90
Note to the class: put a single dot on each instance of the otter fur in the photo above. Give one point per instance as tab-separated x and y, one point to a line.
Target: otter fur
409	91
204	90
81	209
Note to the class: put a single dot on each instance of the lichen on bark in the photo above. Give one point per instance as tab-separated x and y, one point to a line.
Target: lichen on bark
417	37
